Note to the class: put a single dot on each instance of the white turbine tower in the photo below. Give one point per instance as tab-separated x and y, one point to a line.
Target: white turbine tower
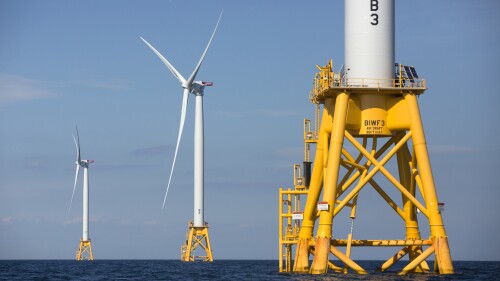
84	251
198	229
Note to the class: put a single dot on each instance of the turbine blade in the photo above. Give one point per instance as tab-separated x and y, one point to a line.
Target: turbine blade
74	187
181	127
166	62
77	144
193	75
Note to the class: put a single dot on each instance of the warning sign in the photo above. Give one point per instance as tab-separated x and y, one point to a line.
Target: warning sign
322	206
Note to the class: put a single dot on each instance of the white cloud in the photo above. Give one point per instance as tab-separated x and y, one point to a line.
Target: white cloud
73	221
79	220
6	220
15	88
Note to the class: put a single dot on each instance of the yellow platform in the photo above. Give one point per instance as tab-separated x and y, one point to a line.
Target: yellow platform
362	130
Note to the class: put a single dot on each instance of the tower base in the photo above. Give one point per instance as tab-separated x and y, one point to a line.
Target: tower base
84	251
369	137
197	236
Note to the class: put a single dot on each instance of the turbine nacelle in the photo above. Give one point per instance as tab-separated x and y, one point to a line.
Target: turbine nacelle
85	163
198	86
204	83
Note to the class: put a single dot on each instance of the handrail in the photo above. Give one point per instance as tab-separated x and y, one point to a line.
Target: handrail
365	83
371	83
378	83
326	79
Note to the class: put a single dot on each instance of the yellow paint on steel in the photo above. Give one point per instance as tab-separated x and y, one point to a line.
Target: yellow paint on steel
280	229
335	268
347	261
387	199
418	260
288	228
348	250
84	251
389	110
197	237
315	187
381	243
323	234
392	260
443	263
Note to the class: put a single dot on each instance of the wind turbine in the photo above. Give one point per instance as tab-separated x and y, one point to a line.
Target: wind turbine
198	228
84	251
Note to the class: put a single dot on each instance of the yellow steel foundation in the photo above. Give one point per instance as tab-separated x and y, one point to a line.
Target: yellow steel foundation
84	251
197	237
383	125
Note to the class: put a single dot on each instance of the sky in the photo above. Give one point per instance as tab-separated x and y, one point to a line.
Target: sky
81	62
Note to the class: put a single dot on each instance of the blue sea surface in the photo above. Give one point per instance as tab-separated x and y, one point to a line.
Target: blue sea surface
218	270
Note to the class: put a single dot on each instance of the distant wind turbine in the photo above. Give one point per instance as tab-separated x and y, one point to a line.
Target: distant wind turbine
196	88
198	228
85	246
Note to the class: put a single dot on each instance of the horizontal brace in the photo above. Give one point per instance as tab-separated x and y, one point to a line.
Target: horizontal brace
294	192
380	243
288	242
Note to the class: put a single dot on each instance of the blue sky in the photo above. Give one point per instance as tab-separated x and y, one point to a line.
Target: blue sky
67	62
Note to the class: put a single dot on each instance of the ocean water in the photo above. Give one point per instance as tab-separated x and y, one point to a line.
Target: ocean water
218	270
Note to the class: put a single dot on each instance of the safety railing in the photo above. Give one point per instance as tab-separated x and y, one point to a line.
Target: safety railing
379	83
321	84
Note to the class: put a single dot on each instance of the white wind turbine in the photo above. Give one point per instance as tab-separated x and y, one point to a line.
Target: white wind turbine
196	88
85	240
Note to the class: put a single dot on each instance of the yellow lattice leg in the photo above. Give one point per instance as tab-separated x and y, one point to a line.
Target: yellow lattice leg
197	236
438	233
84	251
322	250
